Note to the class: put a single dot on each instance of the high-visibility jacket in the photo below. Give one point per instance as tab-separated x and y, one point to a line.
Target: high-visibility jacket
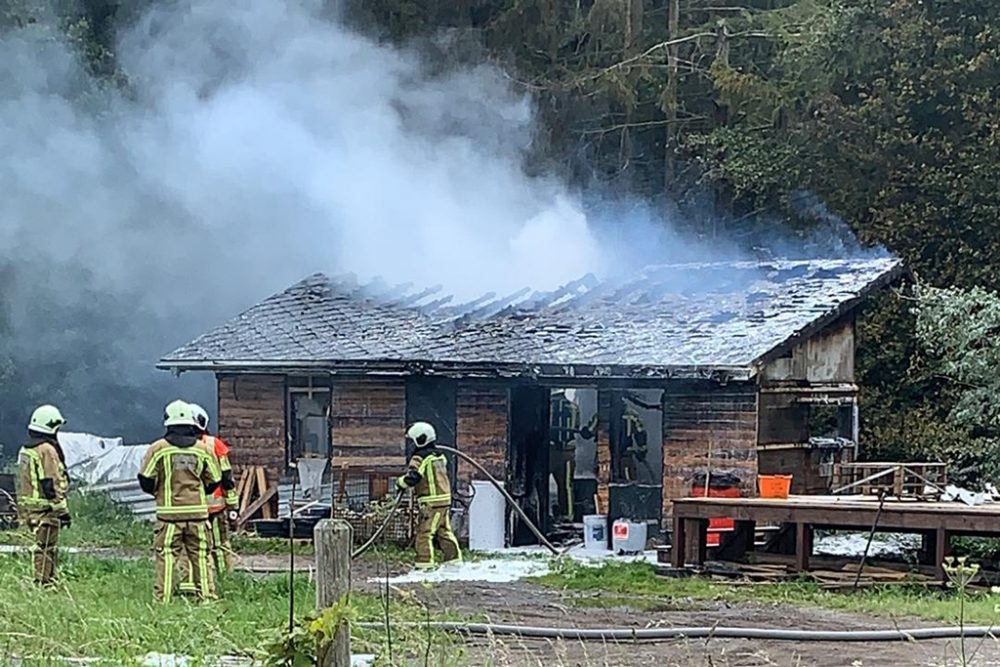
180	476
42	479
564	424
635	436
427	474
225	495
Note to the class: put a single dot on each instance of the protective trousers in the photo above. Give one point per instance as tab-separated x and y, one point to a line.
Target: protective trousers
220	552
435	526
174	540
45	550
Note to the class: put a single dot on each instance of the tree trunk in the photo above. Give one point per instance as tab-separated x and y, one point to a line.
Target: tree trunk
670	101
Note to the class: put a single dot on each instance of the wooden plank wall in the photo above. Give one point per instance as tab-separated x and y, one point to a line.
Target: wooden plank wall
703	417
369	422
252	421
482	412
603	449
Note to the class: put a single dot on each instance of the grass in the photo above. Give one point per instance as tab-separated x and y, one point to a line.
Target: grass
103	608
638	585
98	522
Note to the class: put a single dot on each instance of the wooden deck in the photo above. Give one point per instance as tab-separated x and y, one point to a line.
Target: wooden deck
937	522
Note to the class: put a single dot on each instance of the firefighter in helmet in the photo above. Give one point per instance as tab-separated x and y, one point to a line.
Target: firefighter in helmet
222	505
427	475
43	485
181	474
564	426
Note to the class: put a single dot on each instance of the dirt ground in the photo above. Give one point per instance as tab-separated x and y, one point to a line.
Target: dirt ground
525	603
528	604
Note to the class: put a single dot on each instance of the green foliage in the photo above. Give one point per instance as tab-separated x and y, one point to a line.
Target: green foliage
957	331
305	641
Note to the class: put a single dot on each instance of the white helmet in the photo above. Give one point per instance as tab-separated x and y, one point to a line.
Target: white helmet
46	419
178	413
422	434
200	416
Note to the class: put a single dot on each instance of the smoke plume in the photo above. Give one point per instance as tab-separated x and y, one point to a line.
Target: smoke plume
253	143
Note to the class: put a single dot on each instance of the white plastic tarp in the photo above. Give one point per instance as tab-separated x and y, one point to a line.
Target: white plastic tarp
95	460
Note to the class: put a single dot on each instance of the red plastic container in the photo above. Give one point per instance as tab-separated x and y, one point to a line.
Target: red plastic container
719	525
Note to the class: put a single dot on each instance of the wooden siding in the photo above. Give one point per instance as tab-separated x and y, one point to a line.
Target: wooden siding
703	418
252	421
482	412
827	357
368	420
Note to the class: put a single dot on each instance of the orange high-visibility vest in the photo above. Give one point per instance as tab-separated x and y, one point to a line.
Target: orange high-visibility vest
220	498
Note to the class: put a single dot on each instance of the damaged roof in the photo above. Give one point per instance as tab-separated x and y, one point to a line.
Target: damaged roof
690	320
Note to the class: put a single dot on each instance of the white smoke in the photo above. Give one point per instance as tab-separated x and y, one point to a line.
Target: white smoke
256	142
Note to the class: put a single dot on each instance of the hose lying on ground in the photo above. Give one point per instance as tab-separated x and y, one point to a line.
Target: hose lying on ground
492	480
710	632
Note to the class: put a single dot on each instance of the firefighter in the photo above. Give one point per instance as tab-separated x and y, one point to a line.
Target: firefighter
222	505
427	475
636	444
43	485
564	426
181	474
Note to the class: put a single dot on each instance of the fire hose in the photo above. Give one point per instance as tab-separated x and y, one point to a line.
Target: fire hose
705	632
492	480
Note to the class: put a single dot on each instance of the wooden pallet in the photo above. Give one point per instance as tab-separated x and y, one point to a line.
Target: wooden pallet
254	495
894	479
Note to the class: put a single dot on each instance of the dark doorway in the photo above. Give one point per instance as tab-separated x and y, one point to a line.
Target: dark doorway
432	400
528	471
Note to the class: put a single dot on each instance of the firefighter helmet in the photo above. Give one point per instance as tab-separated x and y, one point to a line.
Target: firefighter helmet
179	413
46	419
200	416
422	434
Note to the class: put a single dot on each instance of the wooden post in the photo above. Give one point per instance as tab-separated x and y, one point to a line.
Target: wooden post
803	546
942	549
333	583
678	543
696	532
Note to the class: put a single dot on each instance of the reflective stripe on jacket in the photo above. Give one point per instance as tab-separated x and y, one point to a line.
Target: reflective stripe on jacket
434	487
180	476
42	480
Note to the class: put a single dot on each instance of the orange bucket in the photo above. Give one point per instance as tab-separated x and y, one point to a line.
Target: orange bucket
774	486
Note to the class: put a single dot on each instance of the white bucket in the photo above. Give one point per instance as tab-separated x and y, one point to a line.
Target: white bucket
628	537
595	528
486	518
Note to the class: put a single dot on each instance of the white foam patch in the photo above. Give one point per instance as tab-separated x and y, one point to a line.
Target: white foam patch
492	570
853	544
509	565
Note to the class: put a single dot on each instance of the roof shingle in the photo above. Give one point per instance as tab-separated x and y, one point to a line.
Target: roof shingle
717	315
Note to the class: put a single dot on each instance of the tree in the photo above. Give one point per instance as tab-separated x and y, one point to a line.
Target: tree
959	334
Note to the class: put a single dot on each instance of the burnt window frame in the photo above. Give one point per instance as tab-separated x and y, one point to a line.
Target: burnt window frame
305	384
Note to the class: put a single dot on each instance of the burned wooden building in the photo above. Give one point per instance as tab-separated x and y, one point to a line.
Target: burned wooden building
736	367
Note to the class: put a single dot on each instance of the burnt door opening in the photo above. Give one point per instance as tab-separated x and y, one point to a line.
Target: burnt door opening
432	400
528	459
